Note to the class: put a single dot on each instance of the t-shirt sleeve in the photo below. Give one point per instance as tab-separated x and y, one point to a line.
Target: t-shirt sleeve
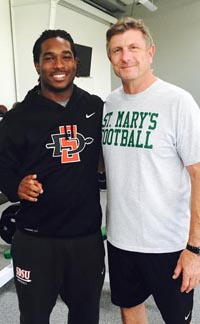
188	130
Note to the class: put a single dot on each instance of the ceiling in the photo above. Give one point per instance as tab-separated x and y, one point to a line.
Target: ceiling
118	8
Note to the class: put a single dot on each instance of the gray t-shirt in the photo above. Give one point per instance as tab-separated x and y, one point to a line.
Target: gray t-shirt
148	140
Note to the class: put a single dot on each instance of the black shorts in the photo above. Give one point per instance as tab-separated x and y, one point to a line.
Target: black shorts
47	267
135	276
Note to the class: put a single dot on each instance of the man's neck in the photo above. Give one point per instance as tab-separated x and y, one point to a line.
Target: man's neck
134	87
57	96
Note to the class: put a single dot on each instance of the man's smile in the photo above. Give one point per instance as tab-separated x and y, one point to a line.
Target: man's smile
59	76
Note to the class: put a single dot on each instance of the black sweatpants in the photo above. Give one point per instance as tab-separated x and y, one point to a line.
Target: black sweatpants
47	267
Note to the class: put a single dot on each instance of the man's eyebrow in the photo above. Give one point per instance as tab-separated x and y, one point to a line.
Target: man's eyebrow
116	47
48	53
51	53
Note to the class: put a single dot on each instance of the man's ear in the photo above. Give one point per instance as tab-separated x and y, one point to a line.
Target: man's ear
37	67
152	51
78	63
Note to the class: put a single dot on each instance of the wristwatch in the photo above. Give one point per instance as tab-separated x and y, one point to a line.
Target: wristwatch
193	249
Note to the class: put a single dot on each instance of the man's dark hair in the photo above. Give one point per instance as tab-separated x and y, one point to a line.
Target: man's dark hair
52	33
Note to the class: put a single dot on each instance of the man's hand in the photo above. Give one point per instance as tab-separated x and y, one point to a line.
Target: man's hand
189	265
30	188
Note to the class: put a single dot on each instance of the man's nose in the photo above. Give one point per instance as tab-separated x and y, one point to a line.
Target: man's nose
59	63
126	55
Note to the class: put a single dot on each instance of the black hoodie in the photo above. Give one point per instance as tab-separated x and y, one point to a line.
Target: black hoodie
62	146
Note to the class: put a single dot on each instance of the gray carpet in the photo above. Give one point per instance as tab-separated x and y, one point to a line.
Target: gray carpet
109	314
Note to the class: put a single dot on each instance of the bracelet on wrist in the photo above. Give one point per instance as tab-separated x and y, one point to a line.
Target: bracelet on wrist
193	249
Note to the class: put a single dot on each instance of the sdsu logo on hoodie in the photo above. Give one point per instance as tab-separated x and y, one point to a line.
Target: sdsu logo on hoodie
68	143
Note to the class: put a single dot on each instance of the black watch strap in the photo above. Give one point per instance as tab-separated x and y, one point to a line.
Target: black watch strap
193	249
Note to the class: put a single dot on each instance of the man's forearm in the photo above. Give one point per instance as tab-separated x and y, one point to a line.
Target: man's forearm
194	233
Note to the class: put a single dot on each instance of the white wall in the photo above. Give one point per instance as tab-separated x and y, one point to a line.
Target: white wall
7	79
175	27
89	32
31	17
175	31
177	37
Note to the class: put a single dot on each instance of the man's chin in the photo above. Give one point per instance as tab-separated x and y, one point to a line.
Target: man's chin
59	89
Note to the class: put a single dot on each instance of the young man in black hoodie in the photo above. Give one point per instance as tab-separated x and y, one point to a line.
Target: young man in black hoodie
49	151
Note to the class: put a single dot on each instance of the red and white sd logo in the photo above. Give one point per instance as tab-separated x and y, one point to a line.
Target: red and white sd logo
68	144
23	275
